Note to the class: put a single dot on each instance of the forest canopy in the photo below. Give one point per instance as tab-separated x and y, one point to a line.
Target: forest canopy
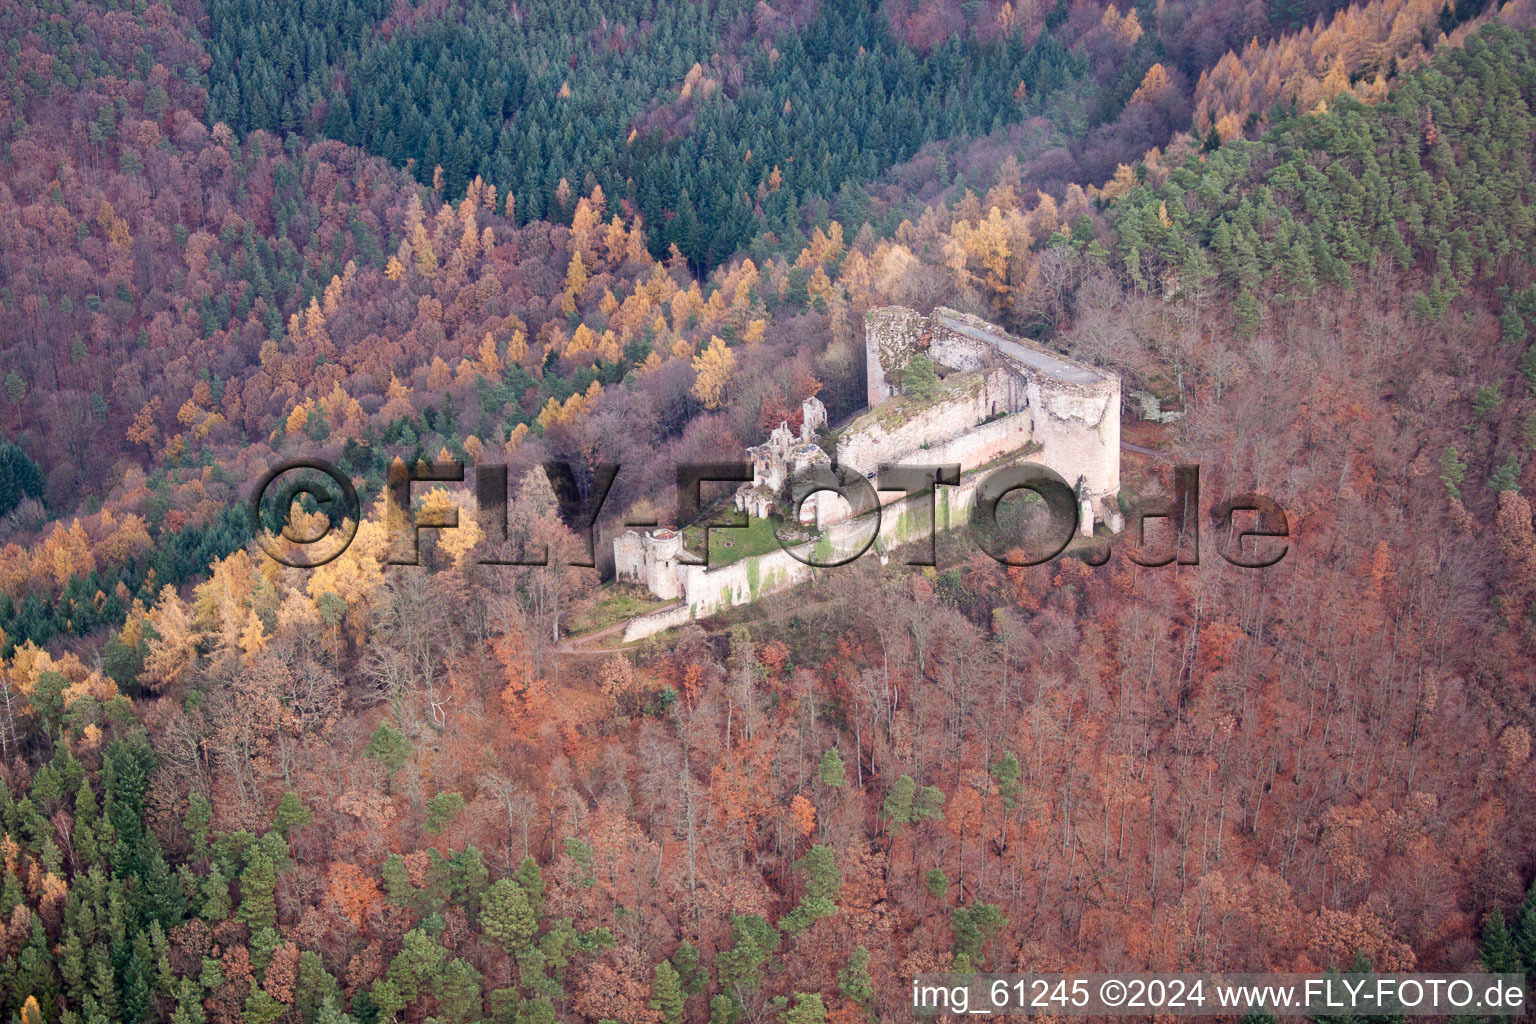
643	234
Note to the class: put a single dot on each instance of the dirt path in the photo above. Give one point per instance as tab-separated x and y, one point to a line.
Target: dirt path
578	645
1143	450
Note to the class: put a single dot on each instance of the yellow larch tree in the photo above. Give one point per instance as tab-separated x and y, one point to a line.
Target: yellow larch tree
582	340
686	304
421	248
824	246
469	241
144	430
714	367
458	542
173	648
575	282
1153	82
517	348
489	360
820	285
298	416
615	240
516	436
357	574
68	552
634	249
1120	185
332	296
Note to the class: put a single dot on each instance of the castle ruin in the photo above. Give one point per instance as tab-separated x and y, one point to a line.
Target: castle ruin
1000	395
777	462
999	399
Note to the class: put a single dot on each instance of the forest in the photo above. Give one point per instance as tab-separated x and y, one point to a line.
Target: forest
642	233
709	159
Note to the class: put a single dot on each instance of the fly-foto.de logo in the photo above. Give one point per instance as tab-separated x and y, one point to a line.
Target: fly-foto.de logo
1253	530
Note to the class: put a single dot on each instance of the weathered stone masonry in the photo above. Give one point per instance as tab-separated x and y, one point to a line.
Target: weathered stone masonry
1002	399
1073	409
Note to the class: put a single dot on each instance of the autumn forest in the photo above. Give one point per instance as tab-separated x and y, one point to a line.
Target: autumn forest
642	233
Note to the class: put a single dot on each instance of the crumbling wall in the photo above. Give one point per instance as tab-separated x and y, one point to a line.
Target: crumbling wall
1078	430
891	335
901	433
629	557
1075	409
657	622
1027	403
710	591
951	348
970	448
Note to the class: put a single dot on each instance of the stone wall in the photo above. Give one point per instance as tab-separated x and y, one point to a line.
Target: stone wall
886	437
657	622
1079	435
1075	409
629	557
891	335
986	443
712	590
951	348
1012	398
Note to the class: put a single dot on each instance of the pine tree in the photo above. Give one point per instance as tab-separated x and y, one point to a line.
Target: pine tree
974	927
531	879
216	904
389	747
831	769
1452	471
291	814
1499	953
330	1013
442	809
199	816
854	981
808	1009
261	1008
506	918
919	380
19	477
1525	931
1245	312
258	882
457	989
822	877
754	940
1007	772
417	964
723	1010
690	974
667	993
897	807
